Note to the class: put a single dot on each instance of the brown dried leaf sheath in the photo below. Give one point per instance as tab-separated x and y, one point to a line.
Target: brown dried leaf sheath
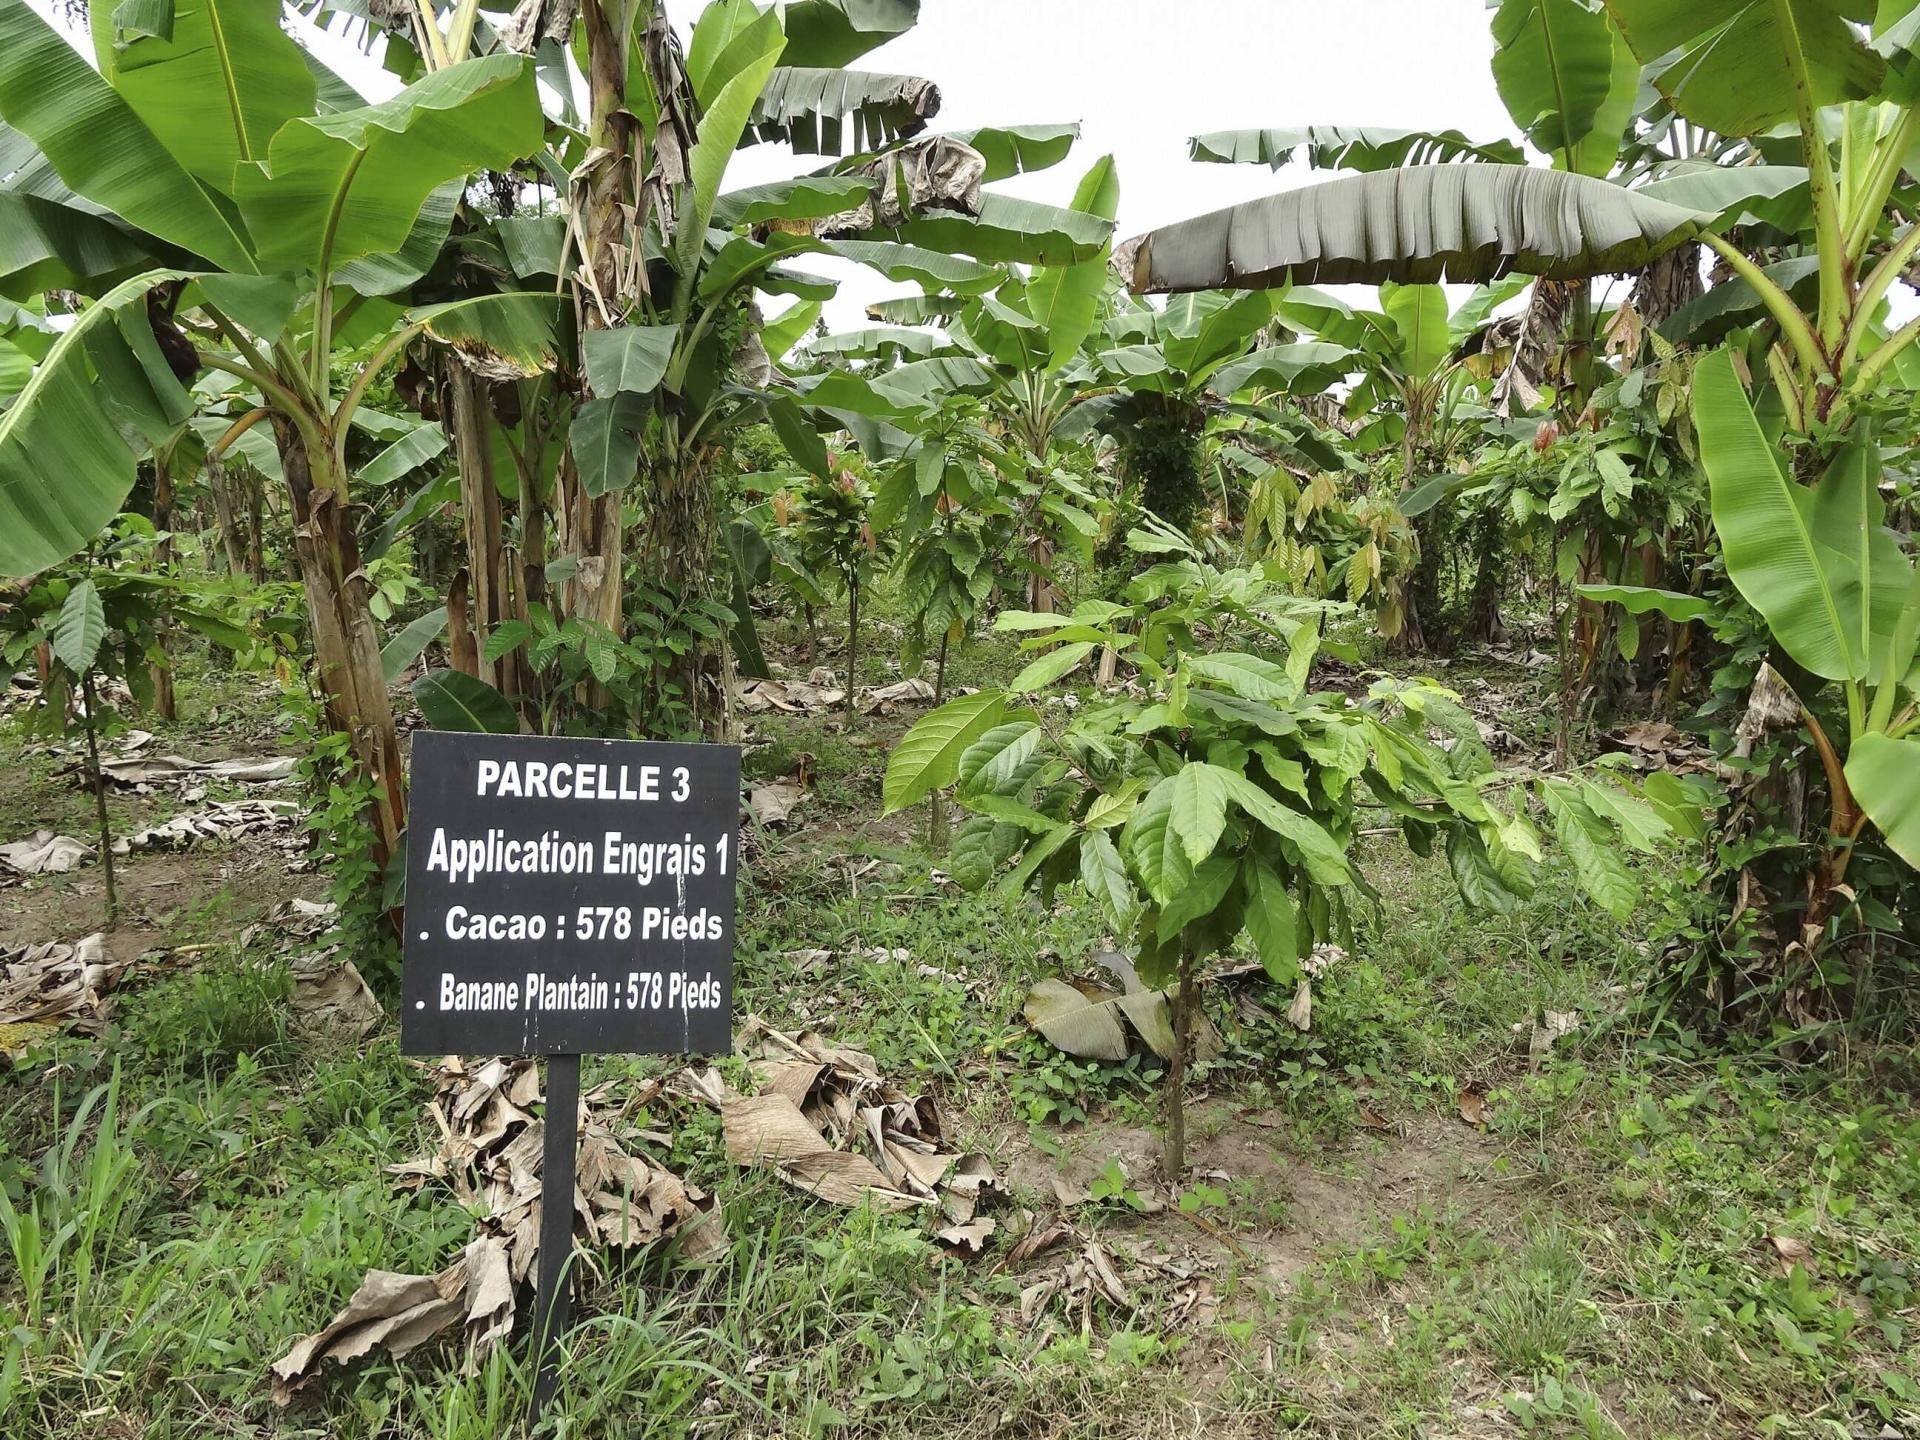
489	1154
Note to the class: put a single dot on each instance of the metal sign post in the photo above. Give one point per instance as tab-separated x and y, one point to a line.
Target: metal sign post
553	1298
565	898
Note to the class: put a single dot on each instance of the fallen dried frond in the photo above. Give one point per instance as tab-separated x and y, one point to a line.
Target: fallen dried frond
490	1155
829	1123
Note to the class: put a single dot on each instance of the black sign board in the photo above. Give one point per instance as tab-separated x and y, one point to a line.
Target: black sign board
568	896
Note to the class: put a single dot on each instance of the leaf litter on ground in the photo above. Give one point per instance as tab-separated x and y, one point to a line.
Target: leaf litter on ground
55	985
490	1156
828	1122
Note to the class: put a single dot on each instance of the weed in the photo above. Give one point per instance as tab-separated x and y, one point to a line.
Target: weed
1113	1187
211	1017
1050	1086
1535	1317
340	821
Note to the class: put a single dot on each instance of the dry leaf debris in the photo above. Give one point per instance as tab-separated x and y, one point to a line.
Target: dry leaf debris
828	1122
1473	1108
1073	1270
821	691
790	697
44	853
490	1156
1659	745
1790	1251
140	773
330	994
225	820
1541	1032
774	802
55	985
885	699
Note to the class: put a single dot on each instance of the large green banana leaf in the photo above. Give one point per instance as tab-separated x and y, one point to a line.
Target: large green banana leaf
1200	329
1008	229
103	381
1566	79
16	369
1222	333
1000	330
51	239
783	331
45	245
337	187
1733	302
726	37
215	88
1884	775
879	342
734	80
832	112
805	197
1421	224
1818	564
930	269
1011	150
923	382
1302	367
1418	315
1737	193
1064	299
1347	147
915	309
837	32
516	330
1731	65
1328	316
394	271
1008	150
25	171
101	149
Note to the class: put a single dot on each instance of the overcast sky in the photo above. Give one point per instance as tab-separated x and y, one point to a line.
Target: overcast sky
1142	75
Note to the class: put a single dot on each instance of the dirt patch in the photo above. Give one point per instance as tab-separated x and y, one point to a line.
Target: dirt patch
1288	1207
231	887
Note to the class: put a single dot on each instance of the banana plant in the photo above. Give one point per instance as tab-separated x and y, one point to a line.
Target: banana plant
1841	597
663	263
1434	205
279	224
1419	224
1742	70
1413	358
1180	378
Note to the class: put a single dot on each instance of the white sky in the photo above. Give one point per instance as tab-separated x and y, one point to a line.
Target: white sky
1142	75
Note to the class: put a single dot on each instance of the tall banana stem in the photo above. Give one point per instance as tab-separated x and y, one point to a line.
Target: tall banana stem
1792	321
1826	199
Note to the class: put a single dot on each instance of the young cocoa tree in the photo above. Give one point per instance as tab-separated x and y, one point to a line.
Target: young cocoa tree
97	618
1220	800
